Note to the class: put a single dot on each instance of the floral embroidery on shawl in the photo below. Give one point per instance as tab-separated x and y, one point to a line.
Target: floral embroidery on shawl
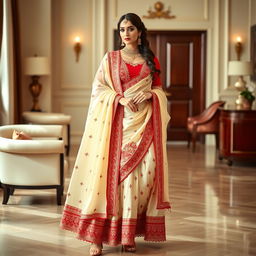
134	160
127	152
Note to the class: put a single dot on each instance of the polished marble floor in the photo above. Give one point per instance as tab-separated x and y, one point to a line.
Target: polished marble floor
213	213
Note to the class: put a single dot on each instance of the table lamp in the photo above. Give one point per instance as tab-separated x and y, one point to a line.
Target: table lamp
240	69
35	67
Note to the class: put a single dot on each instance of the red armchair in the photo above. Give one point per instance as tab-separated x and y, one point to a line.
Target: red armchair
205	123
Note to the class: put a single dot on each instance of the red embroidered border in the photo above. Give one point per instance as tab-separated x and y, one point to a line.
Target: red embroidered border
114	63
115	105
158	145
142	149
115	138
116	144
114	161
122	231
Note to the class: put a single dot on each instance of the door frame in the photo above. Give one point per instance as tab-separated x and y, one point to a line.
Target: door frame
203	59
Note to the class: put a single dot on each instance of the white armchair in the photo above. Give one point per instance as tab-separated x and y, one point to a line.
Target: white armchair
51	119
32	164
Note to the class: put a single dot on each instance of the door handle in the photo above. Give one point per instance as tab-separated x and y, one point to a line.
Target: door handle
168	94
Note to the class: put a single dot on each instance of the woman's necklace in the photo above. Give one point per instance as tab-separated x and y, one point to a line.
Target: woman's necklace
132	54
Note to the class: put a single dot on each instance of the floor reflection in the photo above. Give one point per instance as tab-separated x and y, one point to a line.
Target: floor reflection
213	213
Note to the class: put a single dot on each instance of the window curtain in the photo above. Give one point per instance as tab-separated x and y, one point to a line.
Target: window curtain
10	65
1	22
17	63
1	37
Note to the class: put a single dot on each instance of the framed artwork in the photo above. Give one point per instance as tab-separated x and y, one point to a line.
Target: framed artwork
253	52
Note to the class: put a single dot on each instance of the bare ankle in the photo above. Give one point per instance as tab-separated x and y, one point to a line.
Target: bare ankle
96	249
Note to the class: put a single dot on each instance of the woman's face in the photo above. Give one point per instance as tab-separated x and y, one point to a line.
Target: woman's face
129	33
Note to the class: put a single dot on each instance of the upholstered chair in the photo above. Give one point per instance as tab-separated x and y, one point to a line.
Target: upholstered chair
34	163
205	123
51	119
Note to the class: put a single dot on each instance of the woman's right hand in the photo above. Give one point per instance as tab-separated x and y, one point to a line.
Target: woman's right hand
129	104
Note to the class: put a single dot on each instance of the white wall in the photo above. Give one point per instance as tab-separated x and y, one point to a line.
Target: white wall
35	36
72	80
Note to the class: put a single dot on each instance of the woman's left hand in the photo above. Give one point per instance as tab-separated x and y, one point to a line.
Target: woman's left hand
141	96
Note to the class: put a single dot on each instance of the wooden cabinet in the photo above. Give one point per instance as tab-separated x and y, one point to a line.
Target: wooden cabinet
237	135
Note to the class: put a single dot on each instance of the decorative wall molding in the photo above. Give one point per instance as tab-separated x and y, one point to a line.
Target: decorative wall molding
74	104
99	40
226	43
78	95
116	7
250	21
213	93
205	14
65	105
73	93
206	10
72	86
159	12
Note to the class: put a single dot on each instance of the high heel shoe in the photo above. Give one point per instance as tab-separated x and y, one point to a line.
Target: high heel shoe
96	249
129	248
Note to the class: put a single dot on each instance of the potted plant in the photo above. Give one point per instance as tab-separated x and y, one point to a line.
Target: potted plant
248	98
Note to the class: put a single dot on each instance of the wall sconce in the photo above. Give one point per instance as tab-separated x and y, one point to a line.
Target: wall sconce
238	47
77	47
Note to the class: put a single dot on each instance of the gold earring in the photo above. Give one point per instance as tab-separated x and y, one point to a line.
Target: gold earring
139	41
123	44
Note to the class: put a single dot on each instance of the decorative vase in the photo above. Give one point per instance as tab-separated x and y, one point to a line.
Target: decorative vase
247	104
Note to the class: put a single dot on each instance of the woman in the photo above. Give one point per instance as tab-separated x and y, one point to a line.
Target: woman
119	186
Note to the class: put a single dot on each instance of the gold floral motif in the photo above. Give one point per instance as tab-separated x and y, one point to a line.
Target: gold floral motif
159	12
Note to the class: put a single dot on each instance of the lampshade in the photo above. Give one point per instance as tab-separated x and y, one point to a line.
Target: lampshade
37	66
239	68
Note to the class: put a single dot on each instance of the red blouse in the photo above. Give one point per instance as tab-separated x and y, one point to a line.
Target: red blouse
135	71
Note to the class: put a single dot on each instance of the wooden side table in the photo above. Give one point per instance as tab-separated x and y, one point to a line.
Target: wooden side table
237	134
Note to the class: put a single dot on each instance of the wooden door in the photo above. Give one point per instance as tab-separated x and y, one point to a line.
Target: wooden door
182	59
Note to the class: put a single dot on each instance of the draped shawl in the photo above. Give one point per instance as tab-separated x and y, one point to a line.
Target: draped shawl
98	170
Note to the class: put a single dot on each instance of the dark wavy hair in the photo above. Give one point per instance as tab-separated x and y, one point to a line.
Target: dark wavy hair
144	48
